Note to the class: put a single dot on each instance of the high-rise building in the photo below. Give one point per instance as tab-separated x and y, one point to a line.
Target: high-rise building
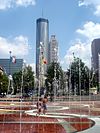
42	43
95	53
53	49
9	67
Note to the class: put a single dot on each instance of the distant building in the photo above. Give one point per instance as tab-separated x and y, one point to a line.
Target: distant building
42	42
9	67
95	53
53	49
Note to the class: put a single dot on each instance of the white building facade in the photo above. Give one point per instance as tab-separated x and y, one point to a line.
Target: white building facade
53	49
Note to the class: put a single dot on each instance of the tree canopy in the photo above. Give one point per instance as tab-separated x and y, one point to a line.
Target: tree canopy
27	77
54	74
3	83
79	77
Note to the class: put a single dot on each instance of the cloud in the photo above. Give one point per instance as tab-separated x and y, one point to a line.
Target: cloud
94	3
90	30
19	46
82	49
25	2
77	49
88	2
5	4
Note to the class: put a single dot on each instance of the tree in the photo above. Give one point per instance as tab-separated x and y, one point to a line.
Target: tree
3	83
54	74
79	76
95	79
17	81
28	80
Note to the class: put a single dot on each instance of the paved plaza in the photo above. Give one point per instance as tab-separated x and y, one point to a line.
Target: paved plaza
61	117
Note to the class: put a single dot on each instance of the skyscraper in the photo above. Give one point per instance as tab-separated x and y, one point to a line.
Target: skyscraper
42	41
96	59
95	53
53	48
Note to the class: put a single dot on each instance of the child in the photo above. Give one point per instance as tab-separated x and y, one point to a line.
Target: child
39	106
44	106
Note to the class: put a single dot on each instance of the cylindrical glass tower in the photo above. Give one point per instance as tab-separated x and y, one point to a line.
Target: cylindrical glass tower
42	42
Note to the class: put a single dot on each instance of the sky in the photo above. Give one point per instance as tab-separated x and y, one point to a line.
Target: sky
74	22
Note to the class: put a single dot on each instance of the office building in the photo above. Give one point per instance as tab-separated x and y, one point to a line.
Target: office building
9	67
95	53
53	48
42	42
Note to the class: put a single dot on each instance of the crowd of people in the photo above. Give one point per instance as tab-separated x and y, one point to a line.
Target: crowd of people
42	105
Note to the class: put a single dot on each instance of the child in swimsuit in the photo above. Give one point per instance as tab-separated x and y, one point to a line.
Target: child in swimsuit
39	106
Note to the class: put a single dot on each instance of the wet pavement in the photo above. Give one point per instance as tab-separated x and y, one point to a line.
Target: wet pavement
61	117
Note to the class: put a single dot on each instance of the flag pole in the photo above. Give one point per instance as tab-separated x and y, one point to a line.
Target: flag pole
9	76
10	85
10	63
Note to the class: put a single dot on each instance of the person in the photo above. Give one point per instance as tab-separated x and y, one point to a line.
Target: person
44	106
39	106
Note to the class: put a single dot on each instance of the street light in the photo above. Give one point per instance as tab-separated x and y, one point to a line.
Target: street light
41	67
53	93
55	73
10	85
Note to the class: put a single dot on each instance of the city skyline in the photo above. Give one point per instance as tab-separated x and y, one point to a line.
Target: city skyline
75	24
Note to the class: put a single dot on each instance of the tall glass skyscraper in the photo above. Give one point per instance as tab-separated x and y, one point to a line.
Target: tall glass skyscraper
42	42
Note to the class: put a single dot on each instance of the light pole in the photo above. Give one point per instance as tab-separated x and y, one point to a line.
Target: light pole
59	83
55	81
10	63
10	85
41	67
55	73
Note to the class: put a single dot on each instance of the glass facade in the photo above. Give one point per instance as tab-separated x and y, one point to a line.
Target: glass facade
95	52
9	67
42	36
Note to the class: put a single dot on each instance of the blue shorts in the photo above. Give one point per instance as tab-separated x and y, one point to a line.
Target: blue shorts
44	107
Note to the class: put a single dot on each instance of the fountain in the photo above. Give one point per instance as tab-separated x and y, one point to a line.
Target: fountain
75	114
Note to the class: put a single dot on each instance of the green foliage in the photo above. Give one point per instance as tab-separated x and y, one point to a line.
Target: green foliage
28	80
79	76
17	81
3	83
95	79
52	69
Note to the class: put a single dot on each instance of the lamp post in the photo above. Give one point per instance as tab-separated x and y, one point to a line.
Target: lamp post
55	73
54	82
10	63
10	85
41	67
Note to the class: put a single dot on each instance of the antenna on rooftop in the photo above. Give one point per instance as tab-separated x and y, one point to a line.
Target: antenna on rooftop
42	13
